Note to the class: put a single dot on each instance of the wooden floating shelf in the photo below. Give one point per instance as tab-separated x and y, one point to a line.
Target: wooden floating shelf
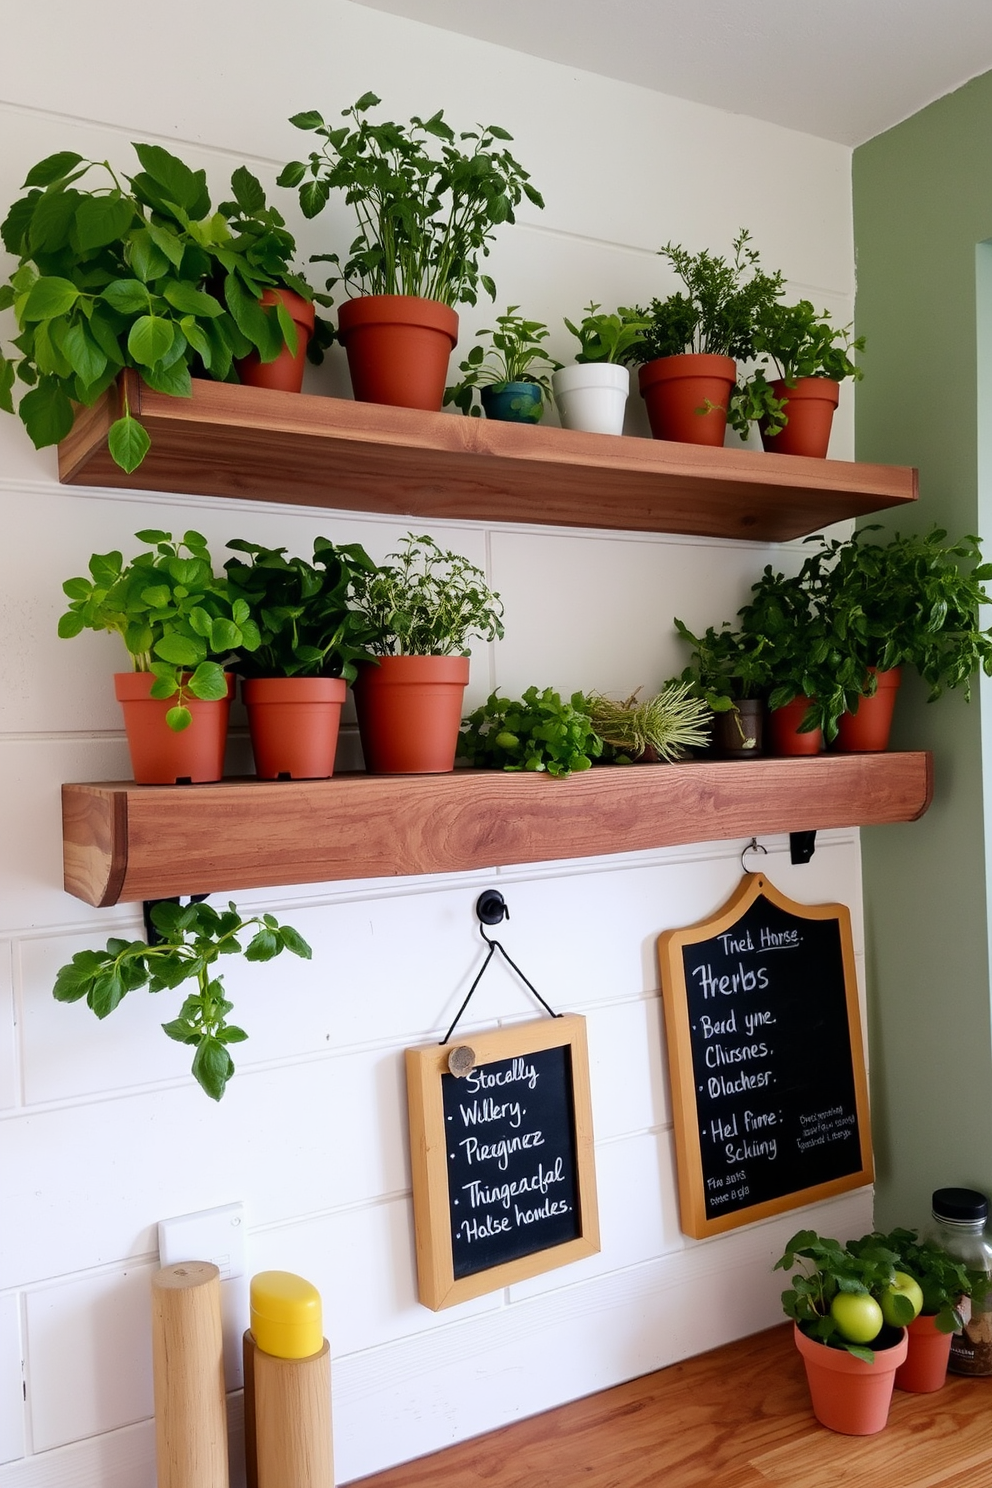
229	440
129	842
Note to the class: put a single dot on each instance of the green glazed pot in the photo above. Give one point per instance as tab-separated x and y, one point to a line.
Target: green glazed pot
513	402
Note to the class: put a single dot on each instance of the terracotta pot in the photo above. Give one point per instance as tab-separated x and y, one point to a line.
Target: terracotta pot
513	402
810	404
592	396
783	730
286	372
159	755
293	723
868	729
676	388
409	713
738	733
925	1368
398	348
847	1394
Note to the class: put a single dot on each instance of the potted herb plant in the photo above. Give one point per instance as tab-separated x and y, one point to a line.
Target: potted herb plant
730	671
690	349
427	204
180	624
592	394
850	1352
811	358
539	732
512	377
188	941
662	728
420	611
309	643
140	271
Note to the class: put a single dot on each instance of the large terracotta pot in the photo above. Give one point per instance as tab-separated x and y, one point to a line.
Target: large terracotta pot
847	1394
293	723
398	348
810	404
409	713
868	729
286	372
159	755
925	1369
678	391
783	730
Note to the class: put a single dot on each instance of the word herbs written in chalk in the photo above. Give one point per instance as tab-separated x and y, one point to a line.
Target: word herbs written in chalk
510	1139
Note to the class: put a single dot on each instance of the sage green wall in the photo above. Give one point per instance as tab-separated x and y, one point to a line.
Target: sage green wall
922	208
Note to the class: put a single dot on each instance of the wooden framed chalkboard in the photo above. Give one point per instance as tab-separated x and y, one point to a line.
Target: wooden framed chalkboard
766	1058
504	1182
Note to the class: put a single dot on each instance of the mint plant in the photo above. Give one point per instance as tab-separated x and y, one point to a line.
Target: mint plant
427	603
192	938
828	1269
540	732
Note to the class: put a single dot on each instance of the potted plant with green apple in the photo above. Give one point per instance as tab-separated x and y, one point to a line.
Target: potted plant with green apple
839	1302
690	349
186	943
936	1284
180	625
427	204
419	613
117	272
811	358
591	394
512	376
310	641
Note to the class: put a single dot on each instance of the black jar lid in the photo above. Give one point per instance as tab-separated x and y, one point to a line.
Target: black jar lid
960	1205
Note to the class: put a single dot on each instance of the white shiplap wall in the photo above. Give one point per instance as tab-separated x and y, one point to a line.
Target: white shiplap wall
102	1132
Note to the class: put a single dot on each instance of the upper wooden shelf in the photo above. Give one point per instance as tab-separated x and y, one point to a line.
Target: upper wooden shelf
125	842
229	440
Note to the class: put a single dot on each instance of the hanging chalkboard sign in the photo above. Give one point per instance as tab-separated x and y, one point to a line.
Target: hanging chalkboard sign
766	1058
502	1153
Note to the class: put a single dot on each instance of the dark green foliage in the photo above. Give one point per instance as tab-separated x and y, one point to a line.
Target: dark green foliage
193	937
516	355
539	732
798	343
831	1268
609	338
426	201
305	624
943	1279
427	603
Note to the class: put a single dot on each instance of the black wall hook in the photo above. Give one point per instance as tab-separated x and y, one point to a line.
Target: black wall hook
491	907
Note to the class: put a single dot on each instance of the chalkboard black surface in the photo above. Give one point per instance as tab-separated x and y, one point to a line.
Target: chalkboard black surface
766	1059
504	1186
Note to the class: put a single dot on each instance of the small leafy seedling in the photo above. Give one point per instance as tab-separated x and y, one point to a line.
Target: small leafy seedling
539	732
192	938
608	338
517	354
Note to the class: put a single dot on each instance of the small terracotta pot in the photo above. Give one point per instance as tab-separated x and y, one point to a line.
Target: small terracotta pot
159	755
676	388
868	730
738	733
286	372
847	1394
783	730
293	723
925	1369
409	713
809	407
513	402
398	348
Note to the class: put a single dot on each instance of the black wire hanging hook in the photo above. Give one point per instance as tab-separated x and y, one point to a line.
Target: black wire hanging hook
491	908
753	846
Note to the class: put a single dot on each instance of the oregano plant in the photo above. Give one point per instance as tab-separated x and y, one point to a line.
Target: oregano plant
191	939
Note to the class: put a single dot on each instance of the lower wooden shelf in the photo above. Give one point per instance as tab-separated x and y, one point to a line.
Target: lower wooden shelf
123	841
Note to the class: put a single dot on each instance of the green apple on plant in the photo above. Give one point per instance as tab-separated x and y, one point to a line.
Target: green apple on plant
858	1316
902	1301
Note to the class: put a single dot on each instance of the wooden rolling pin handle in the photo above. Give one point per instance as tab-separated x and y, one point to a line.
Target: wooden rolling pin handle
188	1372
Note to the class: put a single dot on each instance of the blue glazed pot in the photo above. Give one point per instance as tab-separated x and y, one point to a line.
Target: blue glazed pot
513	402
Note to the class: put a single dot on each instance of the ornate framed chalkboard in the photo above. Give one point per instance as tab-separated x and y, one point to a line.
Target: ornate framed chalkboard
504	1183
766	1058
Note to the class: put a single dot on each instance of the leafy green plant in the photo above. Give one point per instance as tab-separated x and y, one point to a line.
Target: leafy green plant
191	940
799	343
306	626
427	603
718	309
176	619
726	665
136	271
609	338
538	732
943	1279
427	202
828	1270
516	355
662	727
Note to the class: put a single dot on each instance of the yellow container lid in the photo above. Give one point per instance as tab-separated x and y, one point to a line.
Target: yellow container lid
285	1315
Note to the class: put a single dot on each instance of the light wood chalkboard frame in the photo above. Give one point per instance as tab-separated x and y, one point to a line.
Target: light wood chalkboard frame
438	1287
692	1198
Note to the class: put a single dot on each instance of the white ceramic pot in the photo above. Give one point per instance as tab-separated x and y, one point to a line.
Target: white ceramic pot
592	396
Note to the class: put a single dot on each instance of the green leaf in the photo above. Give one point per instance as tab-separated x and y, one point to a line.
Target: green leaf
247	190
212	1067
174	380
127	296
313	197
178	718
51	222
184	187
263	946
127	441
179	650
293	941
52	168
46	413
208	682
149	339
49	297
190	301
6	385
85	356
309	119
101	220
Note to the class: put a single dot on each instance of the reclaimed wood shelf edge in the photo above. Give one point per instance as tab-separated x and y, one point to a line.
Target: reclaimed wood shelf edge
125	842
228	440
